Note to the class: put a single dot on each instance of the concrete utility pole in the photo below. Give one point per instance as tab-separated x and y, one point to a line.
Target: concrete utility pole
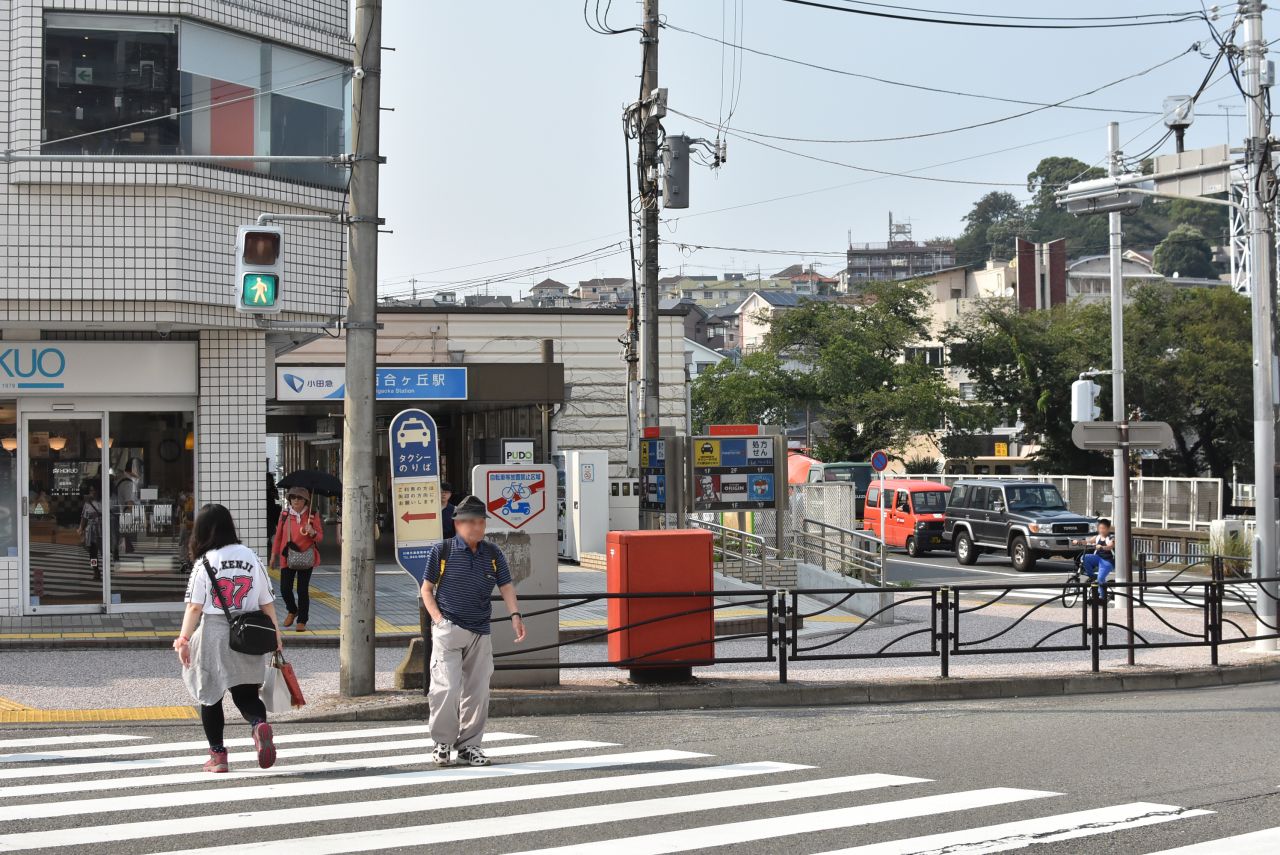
1261	243
356	632
1119	412
649	197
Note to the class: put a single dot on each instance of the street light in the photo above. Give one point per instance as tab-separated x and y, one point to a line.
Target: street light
1103	196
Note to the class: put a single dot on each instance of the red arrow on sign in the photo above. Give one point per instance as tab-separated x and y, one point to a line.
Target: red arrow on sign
408	517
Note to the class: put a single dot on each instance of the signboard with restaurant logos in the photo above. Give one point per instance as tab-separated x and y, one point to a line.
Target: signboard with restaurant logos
737	473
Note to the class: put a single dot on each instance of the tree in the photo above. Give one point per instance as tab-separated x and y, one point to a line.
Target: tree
1049	221
1185	252
757	389
997	212
1189	360
848	364
1024	363
1213	221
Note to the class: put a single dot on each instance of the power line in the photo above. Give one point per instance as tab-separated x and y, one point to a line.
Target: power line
890	82
1022	17
882	172
970	127
1188	16
597	254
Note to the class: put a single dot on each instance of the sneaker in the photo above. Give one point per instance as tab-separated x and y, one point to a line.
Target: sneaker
265	746
472	756
442	755
217	762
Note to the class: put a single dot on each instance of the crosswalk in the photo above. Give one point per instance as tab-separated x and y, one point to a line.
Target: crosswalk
374	789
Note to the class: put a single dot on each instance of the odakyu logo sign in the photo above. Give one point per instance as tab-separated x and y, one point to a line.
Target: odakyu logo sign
313	387
34	367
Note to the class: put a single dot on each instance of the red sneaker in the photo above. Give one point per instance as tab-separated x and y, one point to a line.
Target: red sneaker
217	762
262	742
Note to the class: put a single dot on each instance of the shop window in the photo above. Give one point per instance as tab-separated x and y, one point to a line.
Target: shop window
117	84
102	76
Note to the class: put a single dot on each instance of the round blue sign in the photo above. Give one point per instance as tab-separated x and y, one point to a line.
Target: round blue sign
879	461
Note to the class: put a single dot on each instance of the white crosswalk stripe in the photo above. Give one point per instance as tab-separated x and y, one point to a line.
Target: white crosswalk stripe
612	799
78	739
1266	842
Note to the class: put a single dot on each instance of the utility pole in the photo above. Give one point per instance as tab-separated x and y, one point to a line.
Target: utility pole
356	632
649	197
1261	243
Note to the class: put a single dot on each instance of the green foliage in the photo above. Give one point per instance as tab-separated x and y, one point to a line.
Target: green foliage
1185	252
1213	221
1189	360
922	465
846	363
1024	364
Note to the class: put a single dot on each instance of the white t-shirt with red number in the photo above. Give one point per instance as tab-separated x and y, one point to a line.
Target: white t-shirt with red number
241	577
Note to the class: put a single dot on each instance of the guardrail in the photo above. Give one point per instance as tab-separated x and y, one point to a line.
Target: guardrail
733	546
825	544
958	621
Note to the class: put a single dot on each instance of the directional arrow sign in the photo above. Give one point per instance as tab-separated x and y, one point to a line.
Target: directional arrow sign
1099	436
415	488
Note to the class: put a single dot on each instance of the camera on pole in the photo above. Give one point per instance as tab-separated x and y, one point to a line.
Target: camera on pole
259	269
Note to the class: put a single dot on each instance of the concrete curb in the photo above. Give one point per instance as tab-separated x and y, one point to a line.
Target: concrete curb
733	694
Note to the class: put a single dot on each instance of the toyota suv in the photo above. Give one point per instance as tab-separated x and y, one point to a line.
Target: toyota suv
1027	519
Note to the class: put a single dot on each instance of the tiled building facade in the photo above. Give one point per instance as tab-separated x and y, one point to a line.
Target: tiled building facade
100	257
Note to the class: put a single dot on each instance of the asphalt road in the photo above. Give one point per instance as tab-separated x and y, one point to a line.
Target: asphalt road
941	568
1141	773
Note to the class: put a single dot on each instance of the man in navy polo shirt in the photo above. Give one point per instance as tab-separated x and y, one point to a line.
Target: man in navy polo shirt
461	575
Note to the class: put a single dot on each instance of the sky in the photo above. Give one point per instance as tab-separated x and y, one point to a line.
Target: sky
503	129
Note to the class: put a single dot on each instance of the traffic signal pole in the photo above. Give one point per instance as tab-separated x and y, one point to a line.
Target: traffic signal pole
1261	247
1119	414
356	628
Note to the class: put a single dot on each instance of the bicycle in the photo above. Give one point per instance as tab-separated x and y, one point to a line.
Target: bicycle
1077	583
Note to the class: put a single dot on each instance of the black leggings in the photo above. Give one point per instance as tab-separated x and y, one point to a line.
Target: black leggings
302	608
246	700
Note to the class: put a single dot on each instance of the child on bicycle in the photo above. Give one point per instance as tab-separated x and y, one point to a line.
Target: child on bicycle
1101	562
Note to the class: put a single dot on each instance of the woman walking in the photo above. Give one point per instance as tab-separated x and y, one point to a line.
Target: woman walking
91	528
210	668
294	550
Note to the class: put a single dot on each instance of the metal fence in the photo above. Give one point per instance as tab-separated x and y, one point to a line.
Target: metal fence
1174	503
1209	610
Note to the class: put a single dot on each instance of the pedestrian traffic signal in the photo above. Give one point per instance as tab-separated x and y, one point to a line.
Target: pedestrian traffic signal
1084	401
259	269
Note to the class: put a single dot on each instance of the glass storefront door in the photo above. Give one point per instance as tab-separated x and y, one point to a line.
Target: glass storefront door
152	505
64	510
107	501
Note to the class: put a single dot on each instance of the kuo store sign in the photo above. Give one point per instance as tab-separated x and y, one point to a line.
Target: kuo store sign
98	368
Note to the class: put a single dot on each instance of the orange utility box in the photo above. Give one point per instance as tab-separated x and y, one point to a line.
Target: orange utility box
641	562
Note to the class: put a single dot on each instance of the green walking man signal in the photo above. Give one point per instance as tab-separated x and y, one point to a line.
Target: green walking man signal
259	269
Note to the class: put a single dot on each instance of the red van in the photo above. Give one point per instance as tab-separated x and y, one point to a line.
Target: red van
913	514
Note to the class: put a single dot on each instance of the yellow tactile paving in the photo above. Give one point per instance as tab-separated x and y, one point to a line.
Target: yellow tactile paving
7	705
26	715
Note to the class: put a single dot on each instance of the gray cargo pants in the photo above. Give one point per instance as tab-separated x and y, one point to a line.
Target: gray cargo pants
461	665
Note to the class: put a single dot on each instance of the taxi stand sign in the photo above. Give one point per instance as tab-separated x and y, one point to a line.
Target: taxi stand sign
415	489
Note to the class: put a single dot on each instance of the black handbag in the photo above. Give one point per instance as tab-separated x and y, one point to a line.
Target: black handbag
253	633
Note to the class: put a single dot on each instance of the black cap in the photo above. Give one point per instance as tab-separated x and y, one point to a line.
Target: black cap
470	508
